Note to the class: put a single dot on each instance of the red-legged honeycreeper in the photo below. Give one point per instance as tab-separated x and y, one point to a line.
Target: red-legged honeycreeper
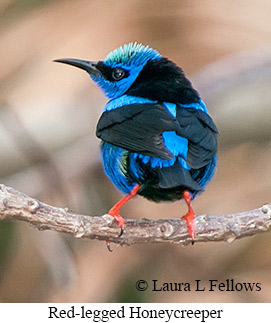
158	140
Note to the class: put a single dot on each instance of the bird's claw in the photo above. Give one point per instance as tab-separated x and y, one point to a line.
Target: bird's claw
119	219
108	246
121	230
121	223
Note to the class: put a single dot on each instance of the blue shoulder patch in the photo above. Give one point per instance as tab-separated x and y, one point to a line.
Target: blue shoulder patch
171	107
198	106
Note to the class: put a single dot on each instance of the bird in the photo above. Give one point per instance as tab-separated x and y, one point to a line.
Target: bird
157	137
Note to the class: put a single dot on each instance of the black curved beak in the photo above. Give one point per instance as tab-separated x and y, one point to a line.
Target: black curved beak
88	66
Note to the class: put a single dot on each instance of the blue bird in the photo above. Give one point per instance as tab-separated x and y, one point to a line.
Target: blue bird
158	140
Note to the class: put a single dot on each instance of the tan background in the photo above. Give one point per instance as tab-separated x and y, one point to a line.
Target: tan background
49	150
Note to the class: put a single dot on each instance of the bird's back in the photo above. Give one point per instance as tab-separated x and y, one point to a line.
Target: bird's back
166	148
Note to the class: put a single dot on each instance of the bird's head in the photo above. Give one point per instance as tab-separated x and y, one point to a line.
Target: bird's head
119	70
141	71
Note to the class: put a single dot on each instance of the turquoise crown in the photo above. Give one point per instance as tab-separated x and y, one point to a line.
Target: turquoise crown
131	54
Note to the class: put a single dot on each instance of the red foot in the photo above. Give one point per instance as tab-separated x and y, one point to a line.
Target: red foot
190	215
114	211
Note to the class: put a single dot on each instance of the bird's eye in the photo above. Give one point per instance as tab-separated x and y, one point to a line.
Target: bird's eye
118	74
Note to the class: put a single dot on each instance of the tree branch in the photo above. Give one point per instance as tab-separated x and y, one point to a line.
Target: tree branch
16	205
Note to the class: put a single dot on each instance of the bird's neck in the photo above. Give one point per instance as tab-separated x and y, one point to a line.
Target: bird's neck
126	100
163	81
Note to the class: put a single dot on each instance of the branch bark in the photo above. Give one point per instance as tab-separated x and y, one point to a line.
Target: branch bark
16	205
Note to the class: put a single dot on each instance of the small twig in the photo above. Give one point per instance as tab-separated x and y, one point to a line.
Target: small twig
16	205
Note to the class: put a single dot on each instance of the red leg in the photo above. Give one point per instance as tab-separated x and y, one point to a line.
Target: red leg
114	211
190	215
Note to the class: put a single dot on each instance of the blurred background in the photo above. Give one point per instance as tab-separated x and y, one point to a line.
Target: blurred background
48	115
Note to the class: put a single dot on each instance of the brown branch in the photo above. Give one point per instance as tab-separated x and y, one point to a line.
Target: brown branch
16	205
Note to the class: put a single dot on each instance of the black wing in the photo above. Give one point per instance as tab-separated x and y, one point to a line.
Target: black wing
201	132
138	128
